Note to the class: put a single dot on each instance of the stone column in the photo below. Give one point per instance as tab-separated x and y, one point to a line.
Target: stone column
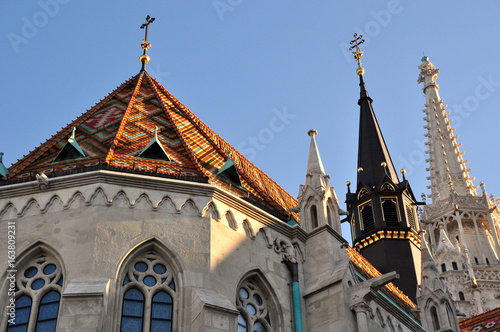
361	309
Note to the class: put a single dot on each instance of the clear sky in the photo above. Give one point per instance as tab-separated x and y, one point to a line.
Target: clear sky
262	73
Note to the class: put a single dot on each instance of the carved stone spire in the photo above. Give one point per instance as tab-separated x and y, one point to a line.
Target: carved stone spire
318	203
316	176
448	172
435	303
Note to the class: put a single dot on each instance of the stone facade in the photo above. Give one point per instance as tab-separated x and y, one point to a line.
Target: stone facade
98	228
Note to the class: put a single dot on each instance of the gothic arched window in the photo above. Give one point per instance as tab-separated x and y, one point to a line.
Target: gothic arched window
38	295
254	309
329	215
148	295
461	296
391	213
435	318
314	216
367	221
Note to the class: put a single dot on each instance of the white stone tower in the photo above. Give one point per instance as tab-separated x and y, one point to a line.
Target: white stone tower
462	226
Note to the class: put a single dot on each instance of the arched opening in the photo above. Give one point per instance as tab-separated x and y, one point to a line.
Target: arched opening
443	267
256	305
461	296
435	318
329	215
39	283
367	217
454	265
390	210
314	216
148	285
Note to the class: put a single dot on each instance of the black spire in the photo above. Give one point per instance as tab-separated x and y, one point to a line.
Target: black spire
374	162
382	210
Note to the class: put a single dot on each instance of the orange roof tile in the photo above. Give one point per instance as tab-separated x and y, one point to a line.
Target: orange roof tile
120	126
366	269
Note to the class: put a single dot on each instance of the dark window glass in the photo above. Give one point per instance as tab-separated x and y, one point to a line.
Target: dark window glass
435	319
49	269
314	216
161	312
47	312
390	212
367	218
133	311
23	309
37	284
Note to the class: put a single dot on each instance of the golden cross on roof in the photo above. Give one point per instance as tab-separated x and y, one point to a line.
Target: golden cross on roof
358	40
144	58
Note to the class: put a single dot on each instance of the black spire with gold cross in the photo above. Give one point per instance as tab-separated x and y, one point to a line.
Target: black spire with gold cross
382	211
372	150
144	58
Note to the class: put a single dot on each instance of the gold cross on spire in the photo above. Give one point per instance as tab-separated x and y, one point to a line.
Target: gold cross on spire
358	40
144	58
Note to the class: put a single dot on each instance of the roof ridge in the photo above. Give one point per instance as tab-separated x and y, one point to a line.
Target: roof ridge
239	159
130	105
155	84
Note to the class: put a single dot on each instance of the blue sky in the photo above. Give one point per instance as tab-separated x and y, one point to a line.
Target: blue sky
261	74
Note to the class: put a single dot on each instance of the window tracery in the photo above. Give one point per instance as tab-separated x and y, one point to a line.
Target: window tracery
148	295
254	311
38	295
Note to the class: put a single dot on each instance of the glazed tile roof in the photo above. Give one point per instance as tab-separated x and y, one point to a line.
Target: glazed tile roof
118	128
367	270
488	321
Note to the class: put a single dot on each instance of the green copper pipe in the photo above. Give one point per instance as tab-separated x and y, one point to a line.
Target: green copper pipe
293	267
297	311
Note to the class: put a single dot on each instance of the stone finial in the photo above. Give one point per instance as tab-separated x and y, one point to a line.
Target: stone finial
312	132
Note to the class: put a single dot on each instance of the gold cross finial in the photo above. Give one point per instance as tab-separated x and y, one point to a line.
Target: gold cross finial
144	58
358	40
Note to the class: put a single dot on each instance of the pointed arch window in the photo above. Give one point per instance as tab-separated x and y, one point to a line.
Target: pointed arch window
390	210
410	214
254	308
366	213
329	215
461	296
314	216
362	193
148	295
38	296
387	187
435	318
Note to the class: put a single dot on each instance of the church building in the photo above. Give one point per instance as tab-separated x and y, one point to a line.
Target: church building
137	216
